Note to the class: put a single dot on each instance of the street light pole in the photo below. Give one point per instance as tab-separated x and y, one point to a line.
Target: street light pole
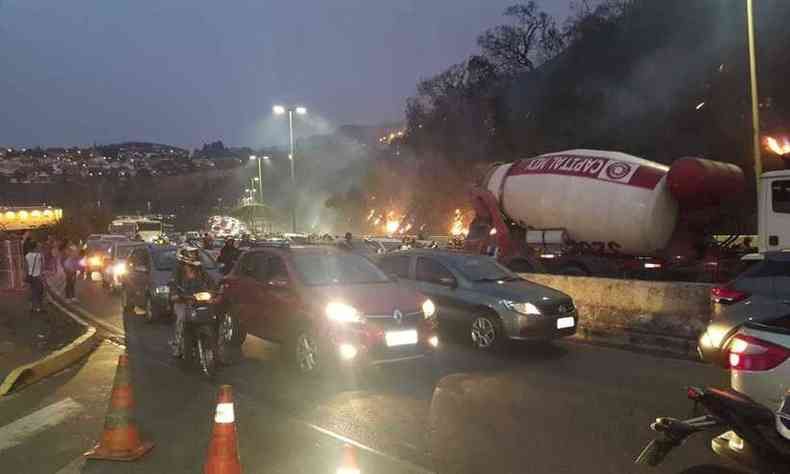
279	110
260	181
758	165
293	172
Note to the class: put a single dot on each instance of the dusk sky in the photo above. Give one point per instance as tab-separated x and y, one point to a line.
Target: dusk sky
189	71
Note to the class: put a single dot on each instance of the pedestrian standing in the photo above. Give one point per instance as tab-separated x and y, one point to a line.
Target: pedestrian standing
71	266
35	269
27	242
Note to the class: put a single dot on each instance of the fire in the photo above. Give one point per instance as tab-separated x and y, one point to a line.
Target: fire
779	146
371	214
457	228
392	226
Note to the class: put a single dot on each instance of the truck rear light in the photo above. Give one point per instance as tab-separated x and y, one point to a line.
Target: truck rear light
724	295
753	354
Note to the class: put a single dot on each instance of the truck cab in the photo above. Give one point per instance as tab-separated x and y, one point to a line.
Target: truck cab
774	211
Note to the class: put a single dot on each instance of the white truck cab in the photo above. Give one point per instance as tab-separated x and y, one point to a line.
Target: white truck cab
773	205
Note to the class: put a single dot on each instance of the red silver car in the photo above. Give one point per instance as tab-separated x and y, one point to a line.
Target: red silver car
330	308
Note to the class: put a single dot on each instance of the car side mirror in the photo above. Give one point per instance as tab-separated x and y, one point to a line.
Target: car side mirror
280	284
448	282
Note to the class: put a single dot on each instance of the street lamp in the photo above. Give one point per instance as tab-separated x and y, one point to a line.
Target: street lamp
280	110
758	165
259	179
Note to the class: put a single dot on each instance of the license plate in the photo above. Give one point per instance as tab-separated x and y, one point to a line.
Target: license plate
563	323
401	338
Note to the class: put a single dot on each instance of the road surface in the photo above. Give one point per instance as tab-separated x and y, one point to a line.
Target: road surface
567	407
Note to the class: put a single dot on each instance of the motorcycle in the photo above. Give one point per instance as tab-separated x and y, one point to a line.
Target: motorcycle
199	341
750	436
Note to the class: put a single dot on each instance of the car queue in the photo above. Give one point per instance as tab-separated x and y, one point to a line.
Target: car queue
338	306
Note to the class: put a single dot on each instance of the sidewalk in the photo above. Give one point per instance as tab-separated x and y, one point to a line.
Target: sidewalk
25	336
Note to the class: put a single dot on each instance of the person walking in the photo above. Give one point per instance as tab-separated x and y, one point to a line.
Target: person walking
35	270
71	265
228	256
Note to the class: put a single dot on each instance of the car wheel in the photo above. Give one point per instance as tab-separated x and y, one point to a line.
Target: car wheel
486	332
150	312
306	353
126	305
230	338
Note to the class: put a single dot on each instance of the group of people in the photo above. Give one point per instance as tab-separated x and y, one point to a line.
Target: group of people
54	256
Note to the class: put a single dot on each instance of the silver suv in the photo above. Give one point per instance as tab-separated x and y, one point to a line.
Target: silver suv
761	293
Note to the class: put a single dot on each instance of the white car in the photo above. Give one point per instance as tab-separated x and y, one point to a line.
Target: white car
759	360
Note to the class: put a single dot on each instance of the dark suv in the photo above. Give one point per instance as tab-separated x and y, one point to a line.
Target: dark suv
329	307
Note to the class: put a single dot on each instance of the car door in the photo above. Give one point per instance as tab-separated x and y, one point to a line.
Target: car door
279	300
135	279
438	282
244	292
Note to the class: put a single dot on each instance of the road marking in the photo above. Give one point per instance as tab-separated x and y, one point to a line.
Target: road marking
15	433
413	467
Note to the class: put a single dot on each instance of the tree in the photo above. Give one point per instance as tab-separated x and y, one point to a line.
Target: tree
530	40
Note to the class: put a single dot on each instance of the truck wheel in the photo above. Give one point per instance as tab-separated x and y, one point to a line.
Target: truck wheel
573	270
487	333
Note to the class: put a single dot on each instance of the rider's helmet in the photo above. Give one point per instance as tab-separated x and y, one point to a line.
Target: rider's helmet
189	255
783	417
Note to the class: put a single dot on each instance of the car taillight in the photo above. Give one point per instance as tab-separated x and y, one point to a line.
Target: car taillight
722	294
751	353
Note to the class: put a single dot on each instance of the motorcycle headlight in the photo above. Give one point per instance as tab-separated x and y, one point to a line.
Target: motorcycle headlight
523	308
202	296
342	313
428	309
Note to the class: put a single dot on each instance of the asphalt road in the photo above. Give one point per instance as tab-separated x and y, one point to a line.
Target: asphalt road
563	408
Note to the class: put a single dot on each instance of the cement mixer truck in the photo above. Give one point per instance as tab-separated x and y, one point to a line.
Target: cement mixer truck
605	213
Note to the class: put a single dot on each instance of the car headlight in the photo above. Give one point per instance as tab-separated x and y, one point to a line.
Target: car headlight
523	308
428	309
119	269
202	296
95	261
163	290
343	313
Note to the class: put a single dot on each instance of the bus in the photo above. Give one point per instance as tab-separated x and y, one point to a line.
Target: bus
148	229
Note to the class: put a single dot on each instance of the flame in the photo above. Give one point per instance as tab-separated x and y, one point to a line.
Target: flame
781	148
371	214
458	228
392	225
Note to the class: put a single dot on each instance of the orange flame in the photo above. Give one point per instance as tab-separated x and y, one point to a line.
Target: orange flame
779	146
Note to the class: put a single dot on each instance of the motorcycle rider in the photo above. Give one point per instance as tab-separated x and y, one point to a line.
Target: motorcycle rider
189	278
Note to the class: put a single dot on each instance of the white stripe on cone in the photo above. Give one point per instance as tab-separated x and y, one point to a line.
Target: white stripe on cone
224	413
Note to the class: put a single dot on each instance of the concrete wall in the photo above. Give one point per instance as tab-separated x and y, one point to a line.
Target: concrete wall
662	316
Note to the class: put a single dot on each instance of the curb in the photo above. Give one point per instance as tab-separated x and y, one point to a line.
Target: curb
58	360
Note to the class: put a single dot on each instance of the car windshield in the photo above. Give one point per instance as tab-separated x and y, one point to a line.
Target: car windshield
165	260
99	246
331	269
123	251
483	269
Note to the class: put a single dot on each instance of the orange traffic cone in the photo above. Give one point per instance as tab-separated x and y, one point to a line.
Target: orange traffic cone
349	465
120	440
223	451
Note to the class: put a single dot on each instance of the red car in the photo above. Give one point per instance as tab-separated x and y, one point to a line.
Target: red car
329	308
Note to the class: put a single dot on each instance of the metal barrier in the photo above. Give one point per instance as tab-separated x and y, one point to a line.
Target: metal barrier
11	267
